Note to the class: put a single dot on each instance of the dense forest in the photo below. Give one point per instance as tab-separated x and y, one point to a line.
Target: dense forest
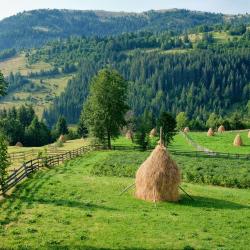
165	72
34	28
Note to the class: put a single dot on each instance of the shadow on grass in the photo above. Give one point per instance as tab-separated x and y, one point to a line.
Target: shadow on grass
211	203
66	203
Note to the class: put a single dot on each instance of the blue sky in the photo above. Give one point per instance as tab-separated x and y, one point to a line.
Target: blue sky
10	7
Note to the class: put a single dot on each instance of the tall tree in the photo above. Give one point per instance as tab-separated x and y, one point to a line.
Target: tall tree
106	106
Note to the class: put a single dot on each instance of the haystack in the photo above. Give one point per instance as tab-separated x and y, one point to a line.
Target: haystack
158	178
62	138
19	144
210	132
153	133
248	134
186	130
129	135
238	141
221	129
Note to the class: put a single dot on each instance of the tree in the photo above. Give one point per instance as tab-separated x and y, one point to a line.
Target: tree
106	106
168	124
213	121
37	134
3	85
181	120
61	126
4	162
81	127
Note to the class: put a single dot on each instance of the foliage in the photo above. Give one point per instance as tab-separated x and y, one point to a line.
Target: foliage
4	161
61	127
34	28
37	134
81	127
22	125
3	85
168	124
181	80
106	106
181	121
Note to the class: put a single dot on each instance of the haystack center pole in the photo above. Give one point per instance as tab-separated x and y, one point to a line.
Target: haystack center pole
161	143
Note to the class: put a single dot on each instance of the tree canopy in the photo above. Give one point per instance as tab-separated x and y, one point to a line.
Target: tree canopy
106	105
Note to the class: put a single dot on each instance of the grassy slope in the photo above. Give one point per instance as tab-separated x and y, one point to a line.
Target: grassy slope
222	142
41	98
68	208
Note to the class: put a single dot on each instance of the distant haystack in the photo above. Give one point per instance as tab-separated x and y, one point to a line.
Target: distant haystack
129	135
248	134
186	130
158	178
62	138
153	133
19	144
221	129
238	141
210	132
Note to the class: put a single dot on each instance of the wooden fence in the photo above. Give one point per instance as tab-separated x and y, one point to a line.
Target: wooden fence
34	165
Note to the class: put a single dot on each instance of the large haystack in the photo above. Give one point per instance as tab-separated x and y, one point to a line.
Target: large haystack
248	134
158	177
186	130
62	138
238	141
210	132
153	133
221	129
129	135
19	144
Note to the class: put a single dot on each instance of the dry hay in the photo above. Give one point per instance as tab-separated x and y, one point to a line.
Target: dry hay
129	135
158	178
248	134
238	141
186	130
221	129
62	138
153	133
19	144
210	132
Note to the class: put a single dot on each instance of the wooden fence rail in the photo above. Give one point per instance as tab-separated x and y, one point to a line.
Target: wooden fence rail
34	165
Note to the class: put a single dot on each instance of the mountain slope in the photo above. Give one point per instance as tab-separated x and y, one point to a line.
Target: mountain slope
34	28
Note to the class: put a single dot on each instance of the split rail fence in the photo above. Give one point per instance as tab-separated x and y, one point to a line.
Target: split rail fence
34	165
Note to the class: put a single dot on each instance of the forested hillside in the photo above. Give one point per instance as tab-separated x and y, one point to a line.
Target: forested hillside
196	73
34	28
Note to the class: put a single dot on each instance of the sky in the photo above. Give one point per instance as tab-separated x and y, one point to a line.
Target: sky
11	7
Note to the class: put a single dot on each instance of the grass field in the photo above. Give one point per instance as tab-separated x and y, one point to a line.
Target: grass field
222	142
41	94
70	208
19	63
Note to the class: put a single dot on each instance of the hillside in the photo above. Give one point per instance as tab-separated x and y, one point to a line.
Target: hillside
69	207
35	28
208	71
29	85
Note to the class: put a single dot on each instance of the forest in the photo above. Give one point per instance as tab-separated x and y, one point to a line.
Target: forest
165	72
34	28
